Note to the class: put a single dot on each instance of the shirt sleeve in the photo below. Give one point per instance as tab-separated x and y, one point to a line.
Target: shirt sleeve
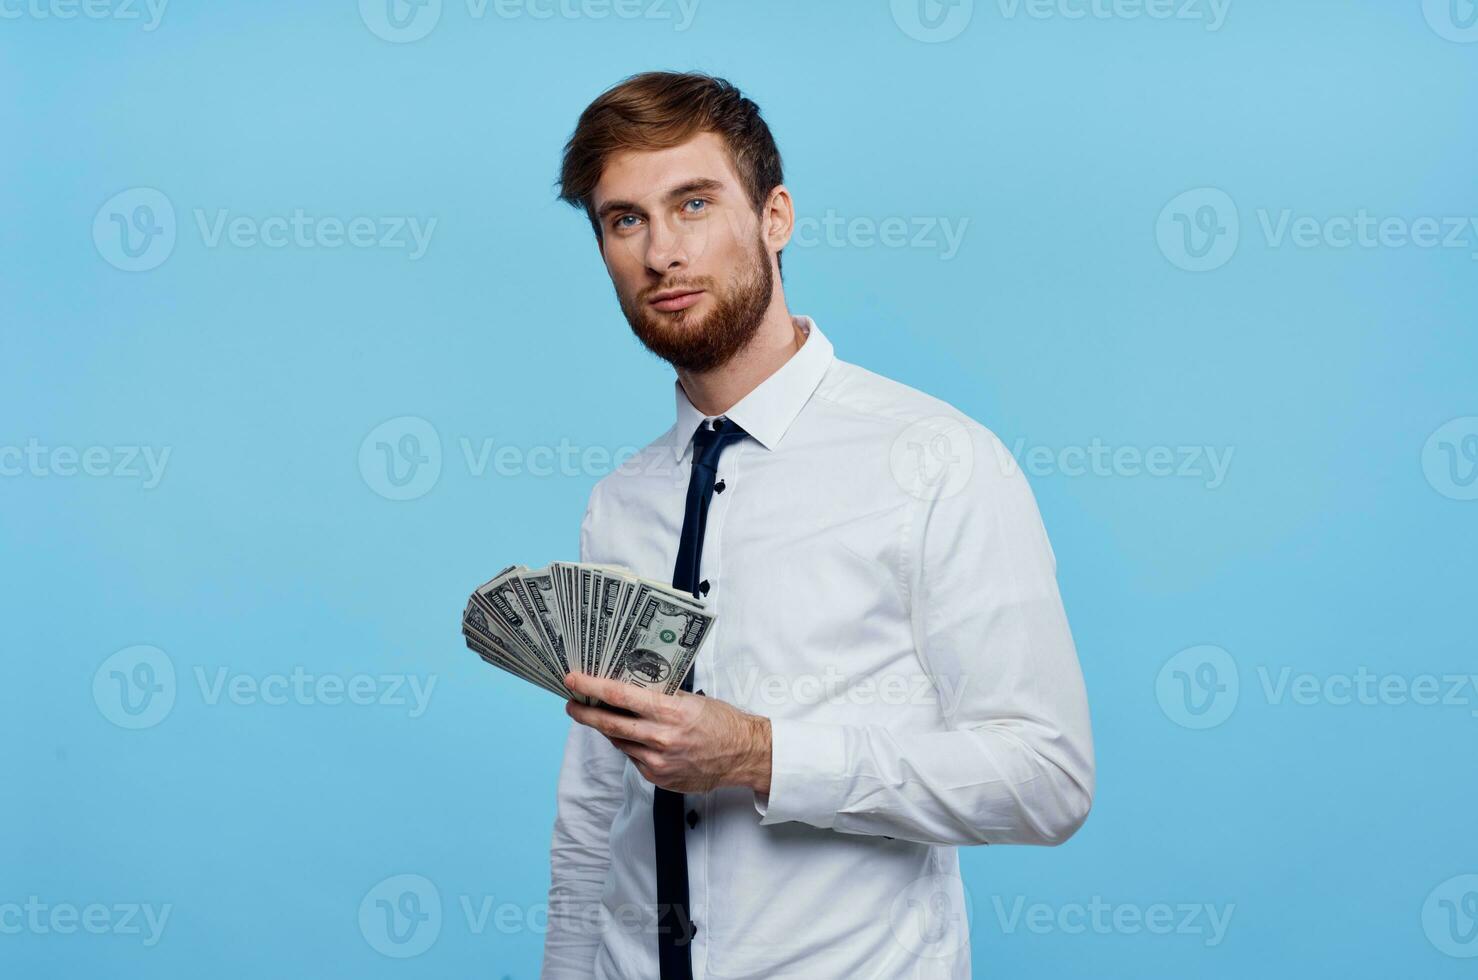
1014	764
588	796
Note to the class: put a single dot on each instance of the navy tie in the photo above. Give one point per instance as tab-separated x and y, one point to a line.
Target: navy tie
674	923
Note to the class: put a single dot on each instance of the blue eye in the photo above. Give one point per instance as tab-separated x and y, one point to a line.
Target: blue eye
696	200
618	222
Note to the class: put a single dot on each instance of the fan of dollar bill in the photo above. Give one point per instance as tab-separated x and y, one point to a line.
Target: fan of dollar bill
601	620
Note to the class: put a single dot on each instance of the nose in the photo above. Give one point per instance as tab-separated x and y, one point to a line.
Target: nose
666	247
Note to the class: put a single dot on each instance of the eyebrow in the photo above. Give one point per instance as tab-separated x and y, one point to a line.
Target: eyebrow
694	186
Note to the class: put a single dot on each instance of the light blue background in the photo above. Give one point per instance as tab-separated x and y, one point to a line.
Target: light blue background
1060	321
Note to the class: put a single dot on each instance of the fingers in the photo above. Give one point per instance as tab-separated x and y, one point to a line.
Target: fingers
628	696
636	750
612	725
641	756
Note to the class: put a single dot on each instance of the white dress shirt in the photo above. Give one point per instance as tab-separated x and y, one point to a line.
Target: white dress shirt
885	593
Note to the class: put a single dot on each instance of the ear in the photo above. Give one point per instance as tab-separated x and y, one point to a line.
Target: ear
777	220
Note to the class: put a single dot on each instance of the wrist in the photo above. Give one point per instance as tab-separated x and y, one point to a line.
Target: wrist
757	772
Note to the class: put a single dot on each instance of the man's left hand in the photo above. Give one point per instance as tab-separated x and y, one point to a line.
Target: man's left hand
682	742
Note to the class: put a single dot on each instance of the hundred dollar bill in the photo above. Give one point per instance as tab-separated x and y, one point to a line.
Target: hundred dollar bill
603	620
661	641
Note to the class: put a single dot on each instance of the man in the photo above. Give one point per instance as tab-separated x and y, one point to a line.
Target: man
890	674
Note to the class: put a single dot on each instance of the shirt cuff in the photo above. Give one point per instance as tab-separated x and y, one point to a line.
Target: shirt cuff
808	773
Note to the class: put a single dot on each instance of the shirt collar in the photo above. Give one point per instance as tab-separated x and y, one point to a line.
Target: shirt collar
767	411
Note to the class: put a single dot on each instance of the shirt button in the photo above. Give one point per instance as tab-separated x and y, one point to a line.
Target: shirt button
703	586
718	487
692	818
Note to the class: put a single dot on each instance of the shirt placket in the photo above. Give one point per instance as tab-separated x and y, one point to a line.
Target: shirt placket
700	842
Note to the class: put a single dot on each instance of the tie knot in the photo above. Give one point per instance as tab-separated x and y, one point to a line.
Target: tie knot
709	443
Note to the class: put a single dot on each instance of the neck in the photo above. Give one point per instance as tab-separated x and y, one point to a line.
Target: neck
715	392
